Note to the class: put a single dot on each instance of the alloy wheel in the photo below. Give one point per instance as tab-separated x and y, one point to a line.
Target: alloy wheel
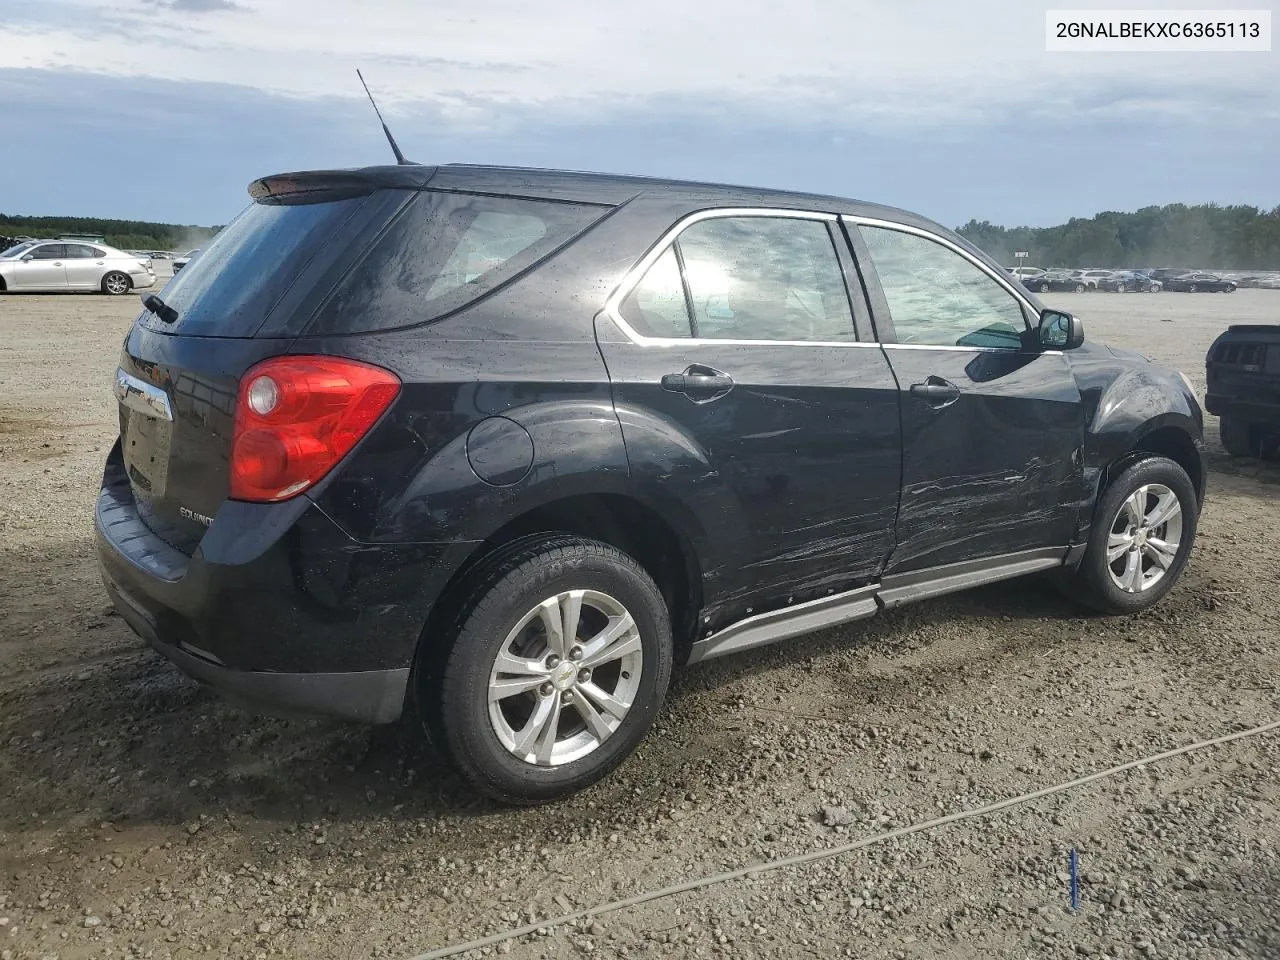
1145	537
116	284
565	677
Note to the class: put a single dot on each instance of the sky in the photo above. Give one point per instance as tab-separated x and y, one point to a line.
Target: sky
166	109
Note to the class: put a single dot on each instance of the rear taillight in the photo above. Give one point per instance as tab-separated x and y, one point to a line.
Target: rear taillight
296	417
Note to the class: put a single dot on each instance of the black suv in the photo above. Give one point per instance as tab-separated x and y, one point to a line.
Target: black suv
1243	374
505	444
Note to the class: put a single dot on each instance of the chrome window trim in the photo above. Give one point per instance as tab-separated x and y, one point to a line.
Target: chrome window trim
956	349
951	245
636	274
141	396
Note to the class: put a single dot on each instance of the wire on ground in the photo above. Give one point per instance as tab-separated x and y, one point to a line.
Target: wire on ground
827	853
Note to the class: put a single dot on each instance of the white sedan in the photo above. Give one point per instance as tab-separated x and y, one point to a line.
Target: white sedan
59	265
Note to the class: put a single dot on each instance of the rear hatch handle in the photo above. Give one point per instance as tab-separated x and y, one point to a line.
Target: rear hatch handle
142	397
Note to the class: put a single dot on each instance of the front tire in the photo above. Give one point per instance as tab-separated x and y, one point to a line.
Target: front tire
1143	529
1079	288
1239	437
116	284
1121	288
559	662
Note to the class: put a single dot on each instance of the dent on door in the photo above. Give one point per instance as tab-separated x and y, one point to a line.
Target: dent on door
994	470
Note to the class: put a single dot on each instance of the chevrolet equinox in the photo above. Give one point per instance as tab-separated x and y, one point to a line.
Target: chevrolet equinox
504	445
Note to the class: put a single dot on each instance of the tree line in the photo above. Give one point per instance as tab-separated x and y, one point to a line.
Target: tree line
123	234
1205	236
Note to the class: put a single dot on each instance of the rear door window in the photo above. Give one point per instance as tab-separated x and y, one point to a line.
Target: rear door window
753	278
765	278
445	251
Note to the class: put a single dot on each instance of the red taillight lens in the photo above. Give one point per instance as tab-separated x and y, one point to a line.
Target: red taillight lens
296	417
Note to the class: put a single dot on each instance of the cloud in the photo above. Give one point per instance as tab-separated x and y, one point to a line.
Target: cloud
184	152
914	62
197	6
952	109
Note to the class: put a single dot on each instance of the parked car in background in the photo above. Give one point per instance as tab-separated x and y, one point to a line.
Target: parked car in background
1128	281
509	444
1254	280
1025	273
1093	278
58	266
1164	274
1242	373
1056	280
182	259
1200	283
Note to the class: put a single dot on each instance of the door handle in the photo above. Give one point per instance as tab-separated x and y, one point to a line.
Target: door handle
937	392
700	384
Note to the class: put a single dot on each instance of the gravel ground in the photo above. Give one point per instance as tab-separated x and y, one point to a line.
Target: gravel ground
141	816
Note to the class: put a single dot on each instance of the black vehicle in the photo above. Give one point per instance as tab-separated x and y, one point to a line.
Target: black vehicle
1056	280
1243	388
506	444
1128	281
1200	283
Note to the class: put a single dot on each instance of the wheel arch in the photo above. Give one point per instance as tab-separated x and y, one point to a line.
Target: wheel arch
642	530
1171	439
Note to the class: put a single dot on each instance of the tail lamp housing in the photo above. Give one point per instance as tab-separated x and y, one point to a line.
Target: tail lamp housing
297	416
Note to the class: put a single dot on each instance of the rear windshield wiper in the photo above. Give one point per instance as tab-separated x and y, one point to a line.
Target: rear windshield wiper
160	308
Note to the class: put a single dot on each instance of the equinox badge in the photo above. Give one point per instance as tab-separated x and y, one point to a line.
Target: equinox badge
192	515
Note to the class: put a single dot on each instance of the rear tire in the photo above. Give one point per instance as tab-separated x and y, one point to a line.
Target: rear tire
1134	557
1079	288
1239	437
528	718
1044	288
116	284
1121	288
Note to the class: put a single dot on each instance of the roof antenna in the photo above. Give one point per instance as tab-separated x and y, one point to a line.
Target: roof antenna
390	139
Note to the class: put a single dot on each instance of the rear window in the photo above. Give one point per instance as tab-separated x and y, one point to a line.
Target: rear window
445	251
229	290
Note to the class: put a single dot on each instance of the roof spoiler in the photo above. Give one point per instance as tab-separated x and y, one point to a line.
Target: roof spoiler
321	186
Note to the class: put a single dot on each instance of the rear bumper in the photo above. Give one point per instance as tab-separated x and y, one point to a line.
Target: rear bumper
1226	405
277	606
365	696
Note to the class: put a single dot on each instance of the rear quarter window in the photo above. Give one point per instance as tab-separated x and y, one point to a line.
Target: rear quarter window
443	252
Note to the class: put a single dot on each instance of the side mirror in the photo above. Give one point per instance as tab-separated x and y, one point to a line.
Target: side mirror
1060	331
28	258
